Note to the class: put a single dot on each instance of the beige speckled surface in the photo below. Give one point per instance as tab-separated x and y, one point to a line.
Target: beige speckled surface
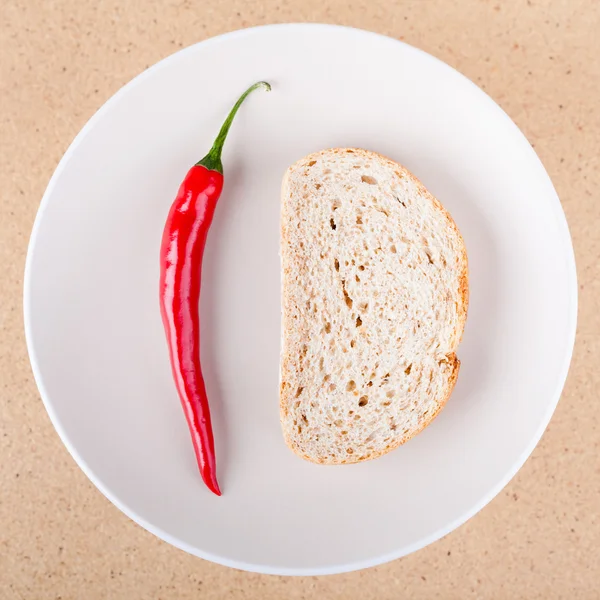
60	60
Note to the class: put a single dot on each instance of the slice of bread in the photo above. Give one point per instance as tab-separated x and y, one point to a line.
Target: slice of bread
374	299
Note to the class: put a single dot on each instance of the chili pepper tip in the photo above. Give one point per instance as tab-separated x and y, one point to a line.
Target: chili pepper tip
213	486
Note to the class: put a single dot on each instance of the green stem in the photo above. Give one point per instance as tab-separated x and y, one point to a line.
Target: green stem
212	160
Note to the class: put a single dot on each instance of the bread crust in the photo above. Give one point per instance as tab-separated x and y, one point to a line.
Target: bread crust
288	326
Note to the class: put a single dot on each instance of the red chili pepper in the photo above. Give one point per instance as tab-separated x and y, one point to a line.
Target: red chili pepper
181	255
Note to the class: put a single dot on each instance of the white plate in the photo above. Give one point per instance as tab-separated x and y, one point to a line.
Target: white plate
95	335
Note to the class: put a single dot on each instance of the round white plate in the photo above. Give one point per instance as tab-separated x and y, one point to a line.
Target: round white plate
95	335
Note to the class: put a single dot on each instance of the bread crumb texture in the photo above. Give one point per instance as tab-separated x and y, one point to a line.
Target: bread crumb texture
374	299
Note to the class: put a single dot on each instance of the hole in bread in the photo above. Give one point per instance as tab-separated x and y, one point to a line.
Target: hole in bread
351	386
359	220
386	403
368	179
299	391
429	258
390	394
393	249
336	264
363	305
311	163
350	151
361	267
304	418
318	186
332	387
363	401
357	278
297	404
350	413
347	298
357	417
344	432
358	321
408	369
352	343
393	427
349	451
327	378
338	423
400	201
328	327
332	223
370	384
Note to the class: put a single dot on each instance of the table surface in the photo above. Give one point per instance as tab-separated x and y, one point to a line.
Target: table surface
61	60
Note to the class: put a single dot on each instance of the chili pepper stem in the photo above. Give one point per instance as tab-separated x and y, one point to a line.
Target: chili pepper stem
212	160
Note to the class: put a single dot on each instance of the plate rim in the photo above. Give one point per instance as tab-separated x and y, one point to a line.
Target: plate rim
568	255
